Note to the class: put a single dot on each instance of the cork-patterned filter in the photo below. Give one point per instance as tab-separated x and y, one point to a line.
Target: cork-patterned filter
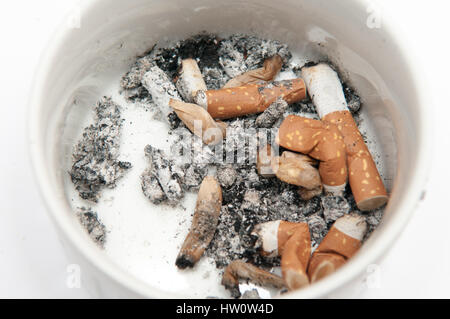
286	230
364	178
340	244
295	258
326	92
320	141
252	98
324	264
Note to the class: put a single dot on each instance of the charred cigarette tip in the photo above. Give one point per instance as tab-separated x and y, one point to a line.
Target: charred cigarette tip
184	261
204	223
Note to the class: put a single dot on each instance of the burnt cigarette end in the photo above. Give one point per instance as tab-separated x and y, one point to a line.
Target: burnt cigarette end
274	112
184	261
204	223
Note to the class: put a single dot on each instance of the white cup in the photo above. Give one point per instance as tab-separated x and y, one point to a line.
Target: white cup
369	50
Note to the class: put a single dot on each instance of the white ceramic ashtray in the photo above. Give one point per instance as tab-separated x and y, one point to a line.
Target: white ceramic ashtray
236	149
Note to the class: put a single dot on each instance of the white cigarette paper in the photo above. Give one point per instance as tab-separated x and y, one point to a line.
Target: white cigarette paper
325	89
191	80
161	89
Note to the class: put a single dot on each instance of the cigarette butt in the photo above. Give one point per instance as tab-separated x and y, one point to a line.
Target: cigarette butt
264	161
320	141
238	269
341	243
365	180
307	194
296	169
204	223
295	258
250	98
199	122
272	236
322	265
328	97
267	73
190	80
291	241
161	89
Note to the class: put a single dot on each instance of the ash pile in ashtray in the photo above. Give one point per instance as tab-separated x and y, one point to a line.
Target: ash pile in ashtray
89	220
249	199
95	158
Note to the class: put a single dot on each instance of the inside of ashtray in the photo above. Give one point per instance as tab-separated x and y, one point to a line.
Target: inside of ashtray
225	166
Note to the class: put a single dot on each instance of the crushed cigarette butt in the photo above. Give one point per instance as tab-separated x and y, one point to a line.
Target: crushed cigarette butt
204	223
341	243
161	89
163	173
190	80
238	270
250	98
327	94
296	169
291	241
321	141
295	258
267	73
198	120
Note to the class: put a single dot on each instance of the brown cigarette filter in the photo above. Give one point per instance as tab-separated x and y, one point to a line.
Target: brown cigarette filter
320	141
295	258
325	89
296	169
249	99
341	243
291	241
364	178
204	223
238	269
324	264
267	73
199	122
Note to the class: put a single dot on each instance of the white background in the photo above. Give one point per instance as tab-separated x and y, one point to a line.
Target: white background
32	261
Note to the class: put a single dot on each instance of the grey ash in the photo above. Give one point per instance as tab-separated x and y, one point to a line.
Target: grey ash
89	220
96	163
